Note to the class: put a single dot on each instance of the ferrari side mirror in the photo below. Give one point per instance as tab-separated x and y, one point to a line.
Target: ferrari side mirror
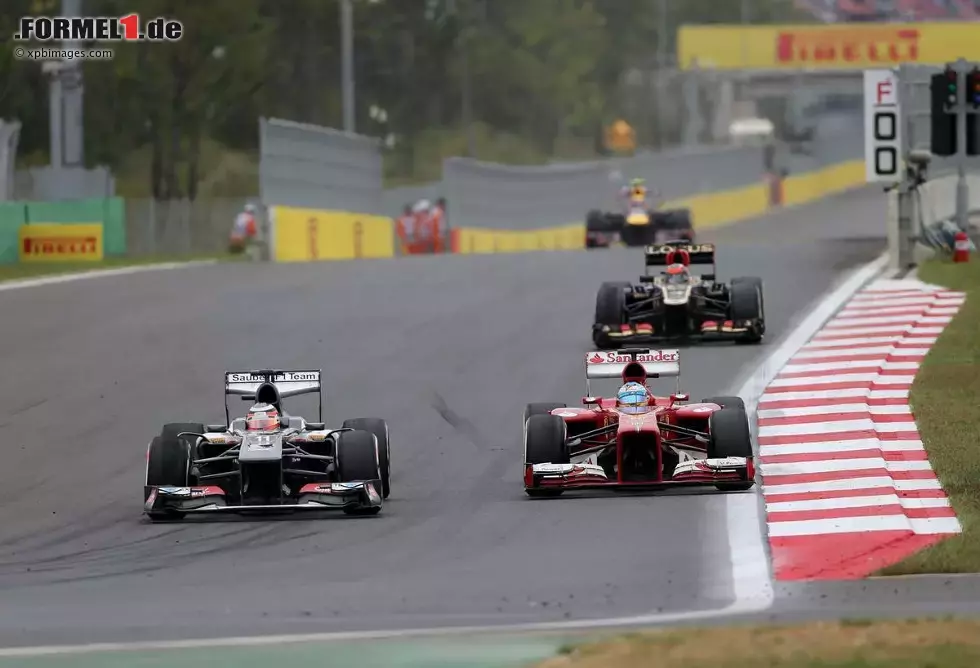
680	397
589	400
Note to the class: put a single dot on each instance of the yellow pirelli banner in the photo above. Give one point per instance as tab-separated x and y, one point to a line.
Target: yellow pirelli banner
305	235
61	242
825	46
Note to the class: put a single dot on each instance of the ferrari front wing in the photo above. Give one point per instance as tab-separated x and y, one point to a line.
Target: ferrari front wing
688	473
163	501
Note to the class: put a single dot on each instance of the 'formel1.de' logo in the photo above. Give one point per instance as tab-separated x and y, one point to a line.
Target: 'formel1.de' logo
98	28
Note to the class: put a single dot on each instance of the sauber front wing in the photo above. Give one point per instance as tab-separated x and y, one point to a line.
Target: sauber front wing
591	476
728	330
161	501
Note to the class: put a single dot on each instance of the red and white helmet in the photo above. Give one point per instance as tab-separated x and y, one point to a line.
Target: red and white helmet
262	417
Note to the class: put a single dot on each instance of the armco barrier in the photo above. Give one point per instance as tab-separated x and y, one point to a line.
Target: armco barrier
109	212
312	167
302	235
707	210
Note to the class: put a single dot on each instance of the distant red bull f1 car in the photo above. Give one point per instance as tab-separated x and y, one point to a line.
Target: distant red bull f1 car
667	443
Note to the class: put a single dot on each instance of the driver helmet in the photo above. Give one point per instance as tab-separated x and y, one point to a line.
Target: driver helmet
638	186
421	206
677	273
249	208
633	399
262	417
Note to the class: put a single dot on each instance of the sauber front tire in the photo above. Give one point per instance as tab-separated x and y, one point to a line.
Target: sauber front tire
357	460
168	464
379	428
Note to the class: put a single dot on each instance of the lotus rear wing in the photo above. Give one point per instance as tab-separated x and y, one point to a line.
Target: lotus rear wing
288	384
661	255
612	363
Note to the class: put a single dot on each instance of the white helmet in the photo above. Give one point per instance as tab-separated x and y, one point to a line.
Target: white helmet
249	208
422	205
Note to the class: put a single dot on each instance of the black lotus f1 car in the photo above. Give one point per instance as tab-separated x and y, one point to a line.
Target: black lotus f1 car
296	465
679	305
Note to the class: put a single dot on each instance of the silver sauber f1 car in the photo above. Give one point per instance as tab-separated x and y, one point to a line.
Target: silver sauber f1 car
676	303
636	439
269	460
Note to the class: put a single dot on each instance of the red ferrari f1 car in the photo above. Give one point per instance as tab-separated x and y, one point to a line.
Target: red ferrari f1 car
664	444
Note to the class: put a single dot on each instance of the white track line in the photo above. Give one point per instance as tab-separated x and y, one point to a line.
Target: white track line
97	273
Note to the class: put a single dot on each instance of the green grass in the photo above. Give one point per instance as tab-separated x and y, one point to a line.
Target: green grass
926	643
10	272
946	401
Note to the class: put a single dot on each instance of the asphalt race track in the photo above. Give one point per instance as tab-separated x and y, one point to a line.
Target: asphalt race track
449	350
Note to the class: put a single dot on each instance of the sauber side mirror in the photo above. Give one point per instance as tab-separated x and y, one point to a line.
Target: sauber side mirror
680	397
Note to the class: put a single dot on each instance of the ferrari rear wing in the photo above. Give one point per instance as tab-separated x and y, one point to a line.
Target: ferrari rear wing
612	363
661	255
288	384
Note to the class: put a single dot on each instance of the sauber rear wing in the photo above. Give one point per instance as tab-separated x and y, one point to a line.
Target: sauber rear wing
289	384
661	255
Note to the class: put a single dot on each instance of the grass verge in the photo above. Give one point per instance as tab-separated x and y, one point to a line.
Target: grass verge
925	643
946	400
12	272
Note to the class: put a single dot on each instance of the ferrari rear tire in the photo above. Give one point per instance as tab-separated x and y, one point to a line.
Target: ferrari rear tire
379	428
544	443
725	402
729	436
610	309
357	460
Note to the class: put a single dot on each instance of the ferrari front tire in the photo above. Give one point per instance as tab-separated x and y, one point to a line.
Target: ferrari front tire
729	436
544	443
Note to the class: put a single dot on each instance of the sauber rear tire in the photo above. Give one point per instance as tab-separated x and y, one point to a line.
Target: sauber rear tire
725	402
544	443
729	436
357	459
610	309
747	304
379	428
